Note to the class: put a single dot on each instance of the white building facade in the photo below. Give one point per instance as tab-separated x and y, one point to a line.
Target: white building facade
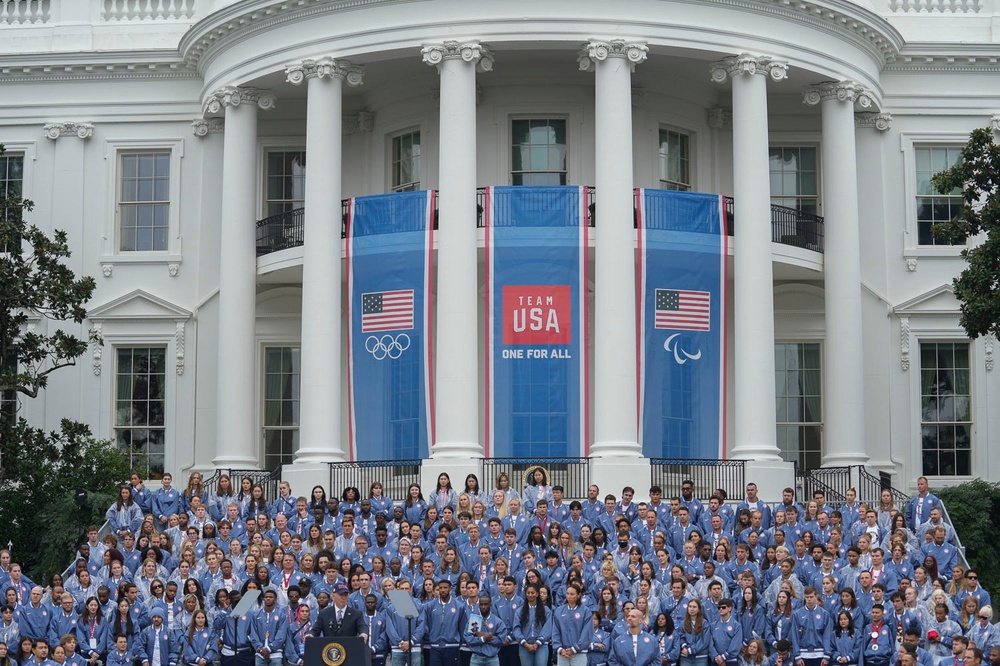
197	152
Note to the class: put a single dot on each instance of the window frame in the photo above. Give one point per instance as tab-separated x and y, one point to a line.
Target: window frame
114	149
390	161
265	176
578	143
821	424
921	338
264	345
691	158
909	141
800	140
266	145
511	118
151	343
121	205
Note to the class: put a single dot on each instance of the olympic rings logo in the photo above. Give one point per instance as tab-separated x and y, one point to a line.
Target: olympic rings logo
387	346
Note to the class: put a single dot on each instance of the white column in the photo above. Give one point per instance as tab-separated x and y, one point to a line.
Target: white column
456	373
755	435
615	399
237	434
843	364
319	402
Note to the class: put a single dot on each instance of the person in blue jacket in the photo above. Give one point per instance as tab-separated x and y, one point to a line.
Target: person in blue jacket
812	630
444	632
600	644
92	631
533	629
695	636
878	640
121	654
64	620
404	636
155	643
269	630
295	647
848	641
634	647
235	636
140	493
33	617
198	646
125	515
166	501
572	629
485	637
727	636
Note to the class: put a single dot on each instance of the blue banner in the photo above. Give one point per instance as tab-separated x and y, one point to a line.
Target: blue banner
536	321
682	245
390	252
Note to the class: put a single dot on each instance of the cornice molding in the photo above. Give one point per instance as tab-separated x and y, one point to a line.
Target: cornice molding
81	130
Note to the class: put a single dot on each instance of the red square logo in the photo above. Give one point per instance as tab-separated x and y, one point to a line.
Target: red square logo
538	314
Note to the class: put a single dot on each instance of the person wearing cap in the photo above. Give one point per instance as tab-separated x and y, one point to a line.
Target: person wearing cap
154	643
338	619
727	636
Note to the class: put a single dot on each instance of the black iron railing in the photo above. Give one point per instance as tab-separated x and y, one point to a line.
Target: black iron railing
281	231
394	475
832	481
870	488
268	480
573	474
707	474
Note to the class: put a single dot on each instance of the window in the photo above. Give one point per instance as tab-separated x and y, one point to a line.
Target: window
8	398
799	403
144	202
933	207
794	178
540	415
406	162
945	409
11	180
538	151
282	368
675	161
140	407
286	181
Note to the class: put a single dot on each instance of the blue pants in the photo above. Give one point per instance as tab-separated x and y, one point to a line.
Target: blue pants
402	659
480	660
539	657
442	656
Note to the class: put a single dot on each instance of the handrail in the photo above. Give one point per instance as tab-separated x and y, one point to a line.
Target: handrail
958	542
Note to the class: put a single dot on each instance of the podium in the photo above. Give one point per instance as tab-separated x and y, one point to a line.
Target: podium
337	651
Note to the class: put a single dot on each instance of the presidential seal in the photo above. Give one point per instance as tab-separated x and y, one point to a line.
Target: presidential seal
334	654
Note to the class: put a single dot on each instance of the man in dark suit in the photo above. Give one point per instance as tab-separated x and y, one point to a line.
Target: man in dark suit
339	619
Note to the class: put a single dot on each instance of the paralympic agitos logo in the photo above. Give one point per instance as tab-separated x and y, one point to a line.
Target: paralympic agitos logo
537	314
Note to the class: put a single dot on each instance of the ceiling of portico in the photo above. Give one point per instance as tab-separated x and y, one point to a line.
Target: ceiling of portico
671	73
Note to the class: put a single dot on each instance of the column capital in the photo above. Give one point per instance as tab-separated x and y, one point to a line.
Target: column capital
596	51
204	127
235	95
871	119
844	91
745	63
472	51
325	68
55	130
720	119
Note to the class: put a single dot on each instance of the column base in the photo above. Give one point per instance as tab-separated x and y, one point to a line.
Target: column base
844	459
771	478
317	456
457	468
610	449
236	462
613	474
302	478
754	452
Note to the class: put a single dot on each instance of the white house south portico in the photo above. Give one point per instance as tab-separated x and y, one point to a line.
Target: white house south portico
253	121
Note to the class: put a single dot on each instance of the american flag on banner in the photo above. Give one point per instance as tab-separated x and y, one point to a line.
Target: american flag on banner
683	310
386	310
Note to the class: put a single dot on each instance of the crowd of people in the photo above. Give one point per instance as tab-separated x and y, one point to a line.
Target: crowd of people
505	578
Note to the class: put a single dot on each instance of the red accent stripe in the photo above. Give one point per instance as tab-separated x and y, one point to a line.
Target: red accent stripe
350	324
722	310
640	286
487	222
429	319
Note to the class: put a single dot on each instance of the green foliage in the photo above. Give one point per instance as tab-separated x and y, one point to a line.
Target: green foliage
978	176
39	476
972	507
40	472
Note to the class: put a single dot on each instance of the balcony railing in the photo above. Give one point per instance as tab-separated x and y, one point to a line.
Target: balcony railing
706	473
789	226
573	474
